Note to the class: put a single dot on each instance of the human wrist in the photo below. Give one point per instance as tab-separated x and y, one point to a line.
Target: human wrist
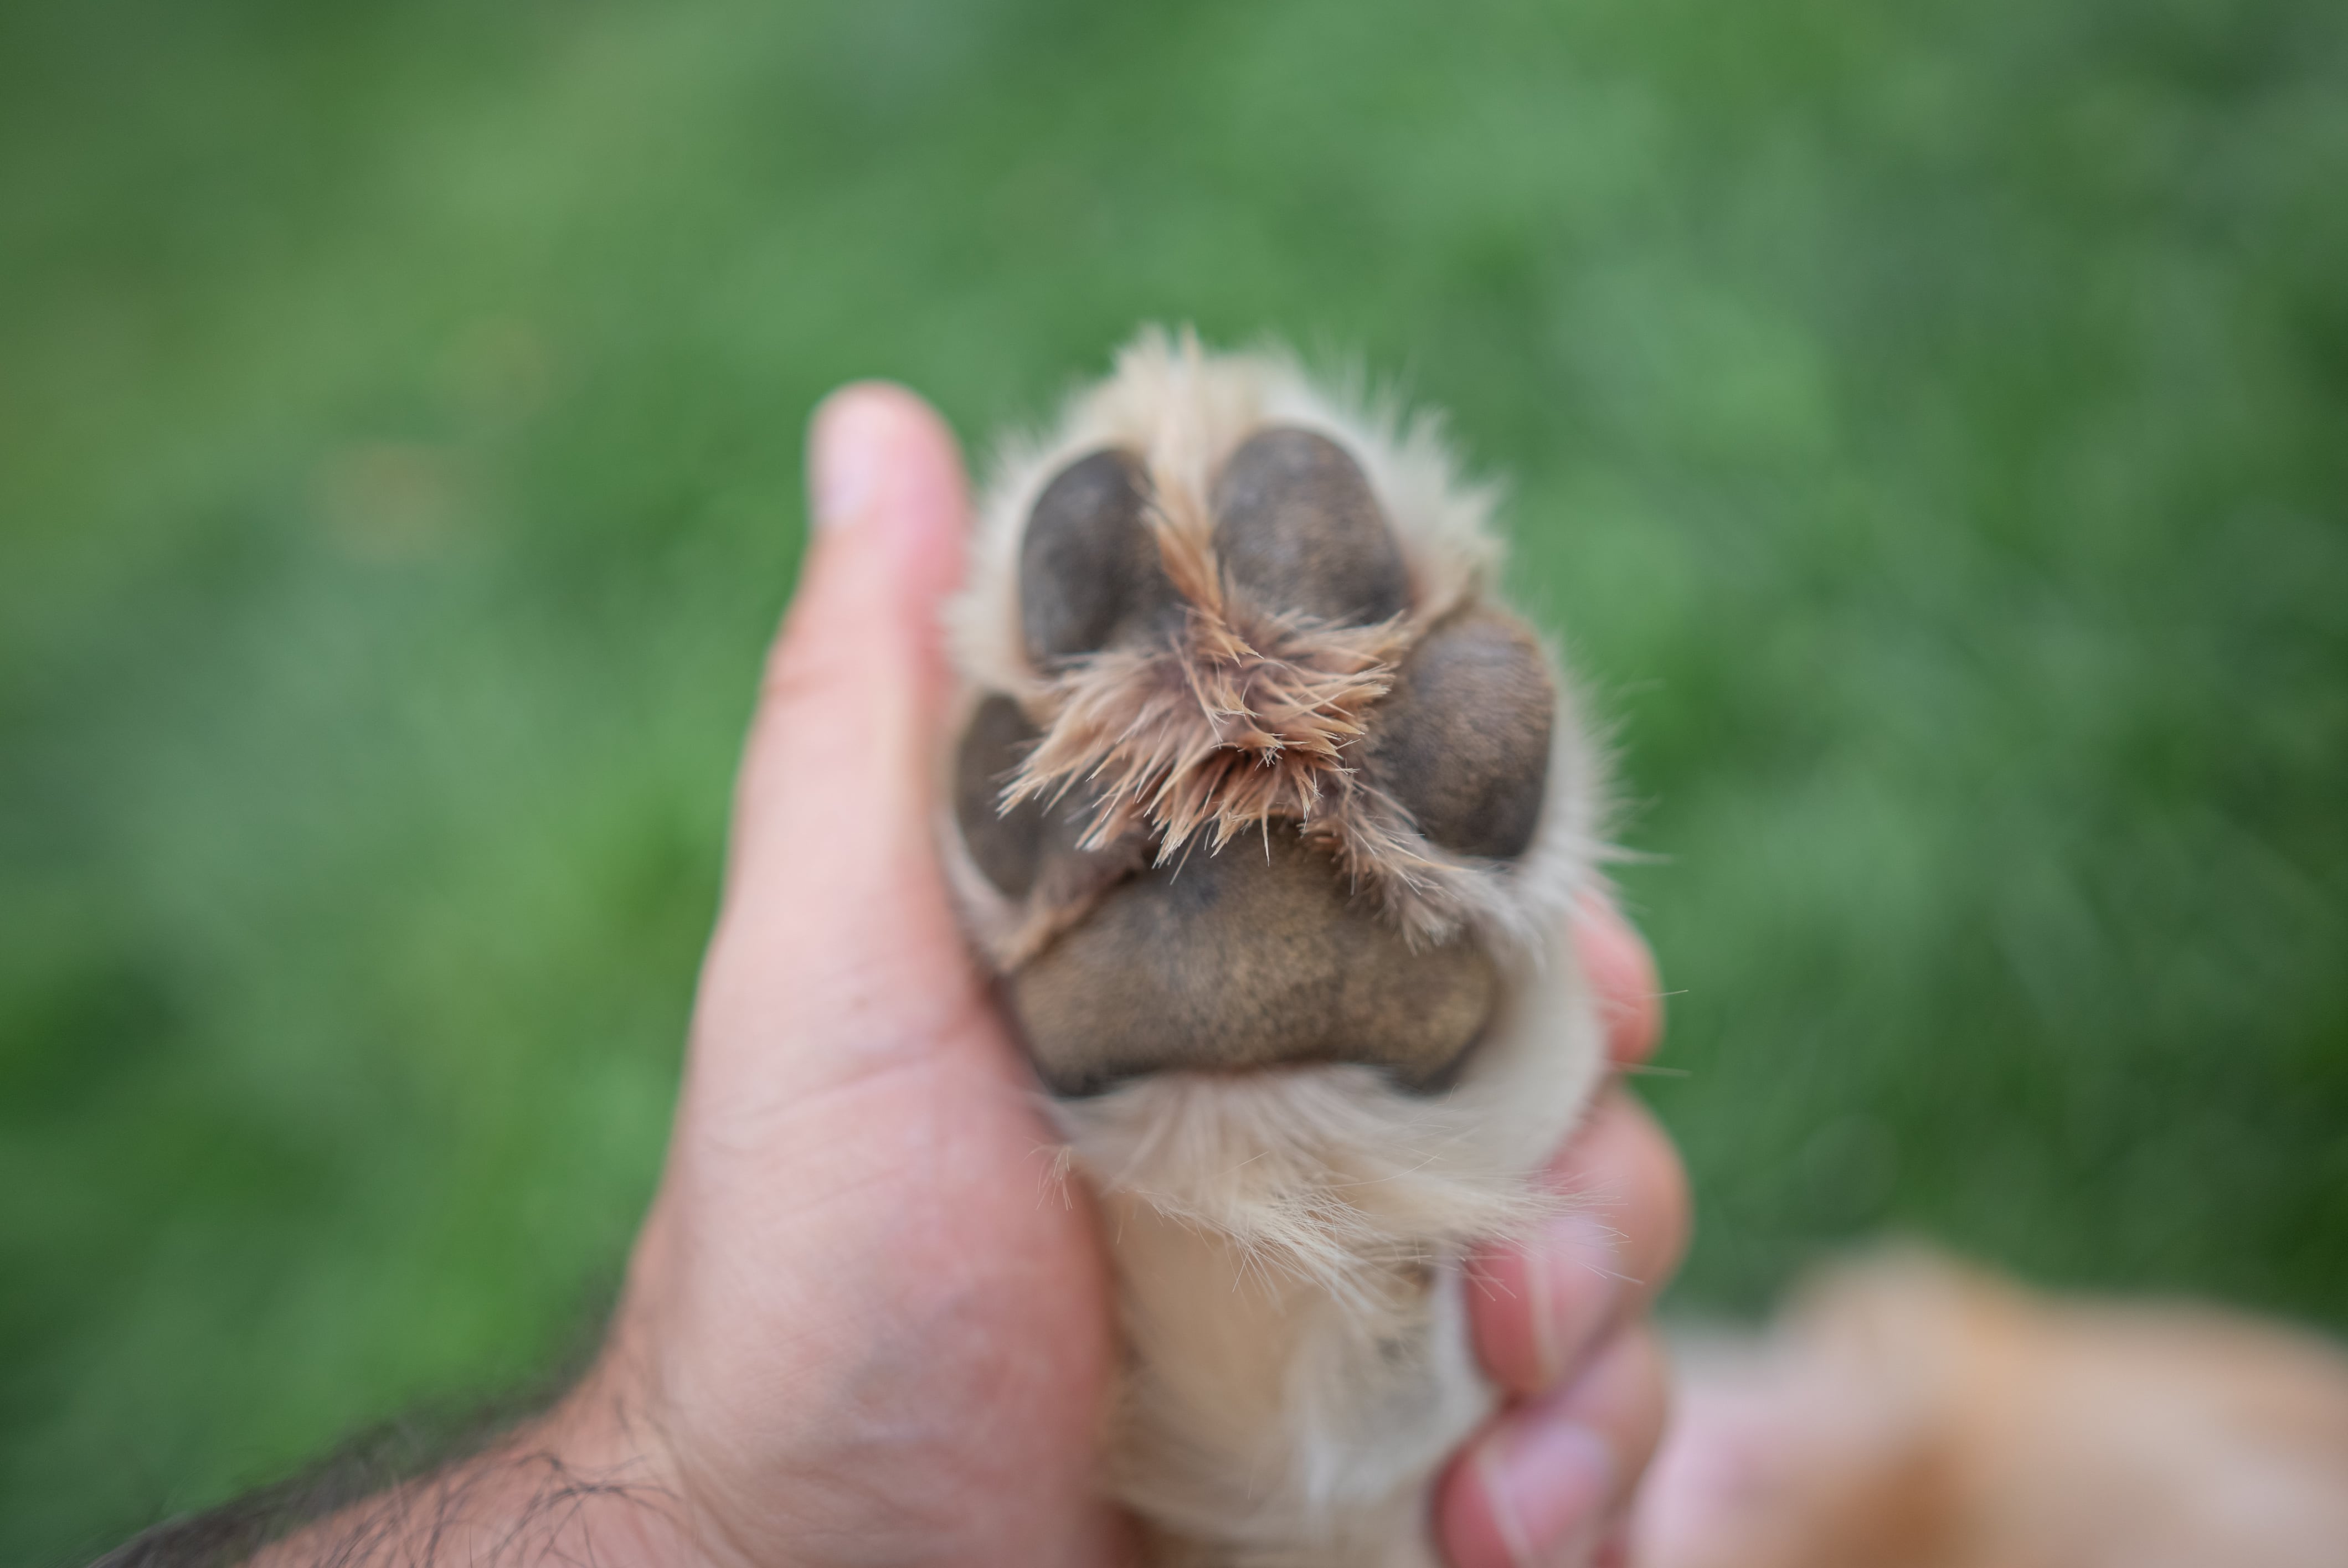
585	1481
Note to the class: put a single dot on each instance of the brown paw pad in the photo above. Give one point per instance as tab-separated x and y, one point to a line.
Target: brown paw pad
1297	524
1088	567
1256	957
1462	741
1147	953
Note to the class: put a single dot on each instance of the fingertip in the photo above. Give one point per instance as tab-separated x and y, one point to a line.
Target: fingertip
1507	1314
1668	1206
1538	1306
1531	1490
888	502
1621	969
1626	1174
1547	1479
840	752
880	456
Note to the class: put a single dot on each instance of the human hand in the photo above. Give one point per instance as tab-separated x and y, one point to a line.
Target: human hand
1562	1324
864	1320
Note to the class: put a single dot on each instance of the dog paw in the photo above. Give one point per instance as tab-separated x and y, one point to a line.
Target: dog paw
1256	785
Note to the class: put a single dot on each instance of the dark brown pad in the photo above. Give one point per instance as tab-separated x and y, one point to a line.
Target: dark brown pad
1240	960
1297	525
1089	573
1462	741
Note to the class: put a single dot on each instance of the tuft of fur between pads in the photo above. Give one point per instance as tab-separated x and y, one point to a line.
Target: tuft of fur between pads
1268	815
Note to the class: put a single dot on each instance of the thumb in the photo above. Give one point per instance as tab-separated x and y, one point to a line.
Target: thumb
836	941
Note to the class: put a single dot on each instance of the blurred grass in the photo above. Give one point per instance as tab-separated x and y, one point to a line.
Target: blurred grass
1926	425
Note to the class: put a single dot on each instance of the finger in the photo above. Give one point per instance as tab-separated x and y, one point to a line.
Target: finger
852	683
1621	969
834	903
1548	1480
1537	1308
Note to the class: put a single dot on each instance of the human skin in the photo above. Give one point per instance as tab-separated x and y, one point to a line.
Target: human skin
864	1320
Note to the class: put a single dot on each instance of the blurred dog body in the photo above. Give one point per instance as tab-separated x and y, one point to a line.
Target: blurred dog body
1907	1413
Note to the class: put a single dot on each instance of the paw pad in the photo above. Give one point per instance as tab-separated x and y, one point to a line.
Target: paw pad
1297	524
1258	795
1462	738
1088	567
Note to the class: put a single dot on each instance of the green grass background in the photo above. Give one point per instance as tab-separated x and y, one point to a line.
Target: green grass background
1928	423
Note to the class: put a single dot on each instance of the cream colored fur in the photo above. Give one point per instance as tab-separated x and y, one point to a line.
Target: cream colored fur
1288	1243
